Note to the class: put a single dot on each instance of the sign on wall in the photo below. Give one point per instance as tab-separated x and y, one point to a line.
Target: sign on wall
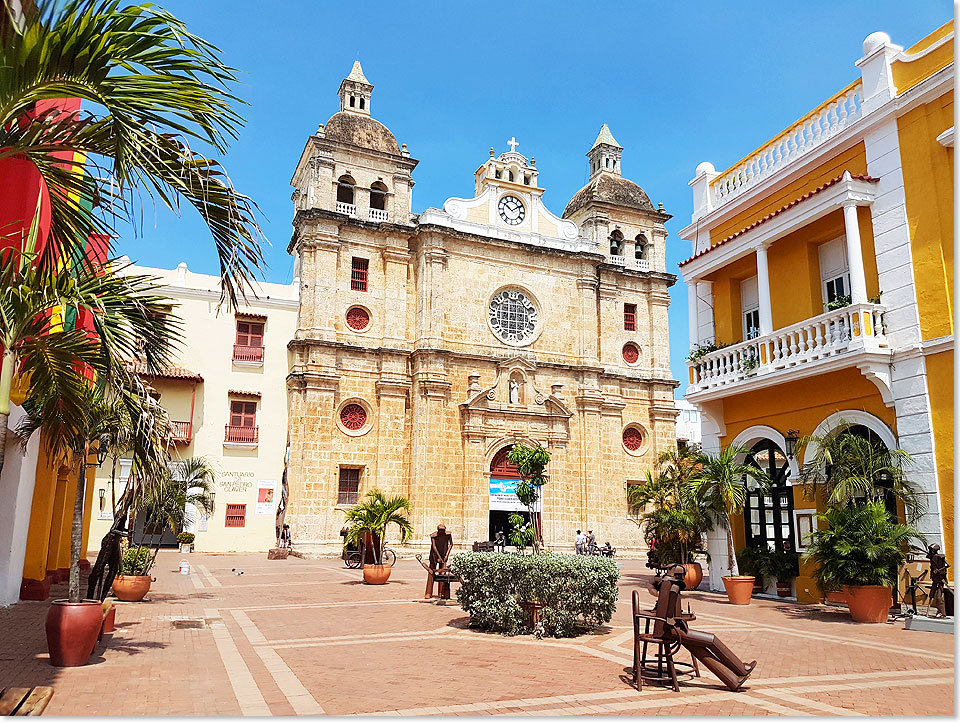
503	496
266	493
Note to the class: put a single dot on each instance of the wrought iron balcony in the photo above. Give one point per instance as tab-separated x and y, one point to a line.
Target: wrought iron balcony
812	346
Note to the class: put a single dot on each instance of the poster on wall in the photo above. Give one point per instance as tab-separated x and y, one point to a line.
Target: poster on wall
503	496
266	491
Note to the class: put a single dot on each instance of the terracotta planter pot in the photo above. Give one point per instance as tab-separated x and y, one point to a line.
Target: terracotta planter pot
783	589
694	575
72	630
376	573
869	604
131	589
758	585
533	612
739	589
110	621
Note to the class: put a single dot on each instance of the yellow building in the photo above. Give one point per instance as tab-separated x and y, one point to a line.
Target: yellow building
227	402
825	260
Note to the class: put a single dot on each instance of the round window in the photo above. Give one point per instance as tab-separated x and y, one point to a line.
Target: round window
353	417
632	438
631	354
513	317
358	318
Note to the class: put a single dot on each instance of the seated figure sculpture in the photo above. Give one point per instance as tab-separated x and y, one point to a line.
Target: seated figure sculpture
705	647
441	544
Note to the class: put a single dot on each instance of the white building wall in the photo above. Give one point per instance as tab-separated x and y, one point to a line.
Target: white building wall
16	489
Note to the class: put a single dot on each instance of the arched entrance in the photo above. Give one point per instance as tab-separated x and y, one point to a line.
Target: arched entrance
768	515
503	498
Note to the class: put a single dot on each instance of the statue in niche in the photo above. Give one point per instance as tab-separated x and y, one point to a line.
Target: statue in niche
514	391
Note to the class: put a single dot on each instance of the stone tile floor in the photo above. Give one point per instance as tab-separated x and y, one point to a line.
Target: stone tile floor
307	637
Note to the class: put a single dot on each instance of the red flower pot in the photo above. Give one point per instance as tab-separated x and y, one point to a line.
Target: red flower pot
739	589
72	630
693	576
110	621
376	573
869	604
131	589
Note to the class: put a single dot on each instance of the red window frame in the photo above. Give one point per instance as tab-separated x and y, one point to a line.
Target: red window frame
250	333
236	515
358	274
243	413
348	486
629	317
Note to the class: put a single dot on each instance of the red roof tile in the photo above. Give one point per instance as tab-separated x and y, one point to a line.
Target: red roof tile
791	204
167	372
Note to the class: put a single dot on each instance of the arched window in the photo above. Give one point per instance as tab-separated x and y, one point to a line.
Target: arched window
769	515
353	101
345	185
378	196
616	243
501	467
640	251
361	102
510	176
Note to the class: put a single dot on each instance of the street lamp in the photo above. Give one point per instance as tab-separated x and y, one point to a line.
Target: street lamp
102	450
791	441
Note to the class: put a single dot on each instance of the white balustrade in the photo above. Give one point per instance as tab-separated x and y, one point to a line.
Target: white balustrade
641	264
617	260
847	329
812	130
378	215
347	208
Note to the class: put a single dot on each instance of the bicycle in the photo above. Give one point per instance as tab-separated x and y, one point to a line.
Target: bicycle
353	558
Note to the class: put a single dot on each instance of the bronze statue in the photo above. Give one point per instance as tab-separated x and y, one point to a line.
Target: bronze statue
500	541
705	647
441	544
938	580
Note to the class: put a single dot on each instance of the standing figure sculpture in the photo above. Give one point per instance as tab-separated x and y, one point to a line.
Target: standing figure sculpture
500	541
441	544
938	581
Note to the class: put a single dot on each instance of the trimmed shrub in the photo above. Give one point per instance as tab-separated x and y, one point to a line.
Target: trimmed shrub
577	592
185	537
136	562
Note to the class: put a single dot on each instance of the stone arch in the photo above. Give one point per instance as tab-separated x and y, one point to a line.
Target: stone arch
616	243
378	196
345	189
853	416
750	436
640	249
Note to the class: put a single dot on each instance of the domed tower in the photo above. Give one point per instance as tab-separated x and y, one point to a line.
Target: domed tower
353	165
616	213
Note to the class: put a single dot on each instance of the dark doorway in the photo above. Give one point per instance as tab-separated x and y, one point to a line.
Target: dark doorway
769	516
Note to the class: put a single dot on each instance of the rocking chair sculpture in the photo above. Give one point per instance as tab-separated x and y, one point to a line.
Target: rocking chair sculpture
671	631
441	544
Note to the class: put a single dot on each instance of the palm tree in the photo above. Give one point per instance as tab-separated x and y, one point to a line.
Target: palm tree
129	319
373	516
154	90
721	485
852	469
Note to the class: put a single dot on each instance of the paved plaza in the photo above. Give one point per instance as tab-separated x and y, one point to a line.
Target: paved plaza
308	637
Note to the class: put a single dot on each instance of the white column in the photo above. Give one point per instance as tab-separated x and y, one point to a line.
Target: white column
763	291
858	282
692	313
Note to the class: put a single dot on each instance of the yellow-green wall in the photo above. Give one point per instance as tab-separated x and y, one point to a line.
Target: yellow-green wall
940	385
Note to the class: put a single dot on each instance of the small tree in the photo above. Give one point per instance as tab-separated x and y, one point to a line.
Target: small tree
374	514
721	486
531	461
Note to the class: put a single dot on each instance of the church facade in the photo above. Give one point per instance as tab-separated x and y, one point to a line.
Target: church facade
428	344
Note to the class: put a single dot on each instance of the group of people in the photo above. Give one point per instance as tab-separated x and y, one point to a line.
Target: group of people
587	544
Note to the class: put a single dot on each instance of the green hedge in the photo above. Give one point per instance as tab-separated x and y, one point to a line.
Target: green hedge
577	591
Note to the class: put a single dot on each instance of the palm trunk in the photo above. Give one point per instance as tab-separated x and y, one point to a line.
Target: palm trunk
76	530
6	384
731	557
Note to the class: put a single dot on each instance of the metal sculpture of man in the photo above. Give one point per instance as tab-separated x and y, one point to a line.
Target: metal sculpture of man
938	579
441	544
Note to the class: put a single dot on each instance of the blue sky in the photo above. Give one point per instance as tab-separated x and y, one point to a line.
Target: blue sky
678	83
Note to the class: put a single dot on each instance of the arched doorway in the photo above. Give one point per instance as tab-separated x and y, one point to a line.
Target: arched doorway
503	498
768	516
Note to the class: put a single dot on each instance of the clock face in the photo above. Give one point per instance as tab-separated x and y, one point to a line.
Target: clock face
511	210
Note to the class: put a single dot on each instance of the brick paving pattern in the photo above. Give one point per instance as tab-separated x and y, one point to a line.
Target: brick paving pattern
307	637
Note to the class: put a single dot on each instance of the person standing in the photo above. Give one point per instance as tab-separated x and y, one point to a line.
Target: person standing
591	542
581	541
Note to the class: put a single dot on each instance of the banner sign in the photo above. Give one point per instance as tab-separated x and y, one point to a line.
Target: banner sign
503	496
266	490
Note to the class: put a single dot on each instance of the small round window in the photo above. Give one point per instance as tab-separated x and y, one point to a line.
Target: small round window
634	440
358	318
631	353
353	417
513	317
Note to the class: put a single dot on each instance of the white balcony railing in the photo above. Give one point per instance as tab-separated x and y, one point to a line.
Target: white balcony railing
847	329
617	260
640	264
378	215
812	130
347	208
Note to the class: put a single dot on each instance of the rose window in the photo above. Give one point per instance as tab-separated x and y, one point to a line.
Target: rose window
632	438
631	354
358	318
513	317
353	417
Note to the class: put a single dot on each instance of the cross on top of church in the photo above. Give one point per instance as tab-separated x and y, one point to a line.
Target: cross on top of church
513	144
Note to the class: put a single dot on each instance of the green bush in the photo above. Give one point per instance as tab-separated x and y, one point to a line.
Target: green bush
136	562
185	537
576	592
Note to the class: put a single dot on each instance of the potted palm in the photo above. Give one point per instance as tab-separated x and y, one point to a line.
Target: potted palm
859	552
752	562
784	568
721	487
133	581
368	527
185	540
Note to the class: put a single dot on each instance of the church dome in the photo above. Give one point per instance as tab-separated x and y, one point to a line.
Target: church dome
609	188
361	130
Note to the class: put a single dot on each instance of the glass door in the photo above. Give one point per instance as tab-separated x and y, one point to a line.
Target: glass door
769	514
